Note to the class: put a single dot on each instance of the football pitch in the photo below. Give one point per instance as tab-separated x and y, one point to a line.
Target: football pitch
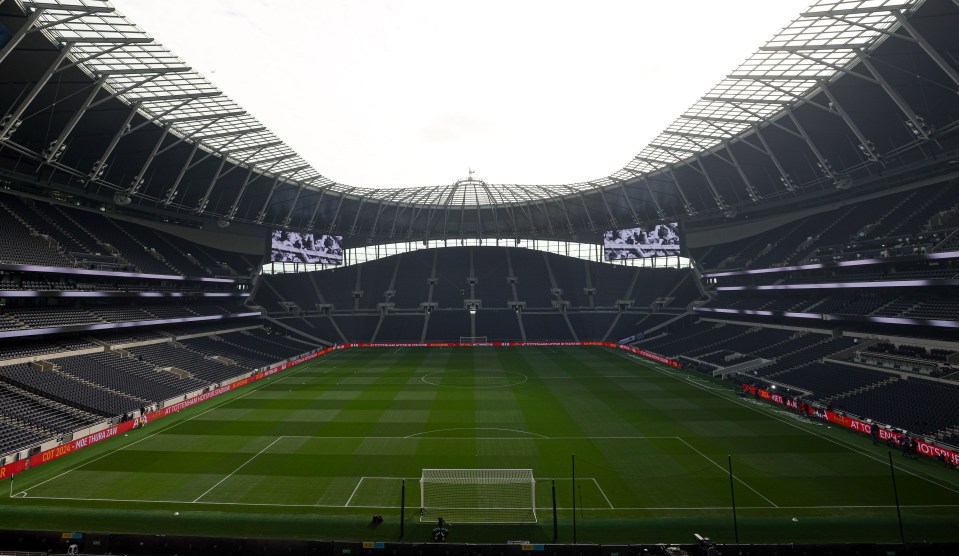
316	451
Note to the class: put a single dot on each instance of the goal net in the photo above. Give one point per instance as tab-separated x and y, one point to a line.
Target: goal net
474	340
478	495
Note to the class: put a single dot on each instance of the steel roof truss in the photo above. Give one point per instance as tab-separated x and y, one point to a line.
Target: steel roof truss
183	138
919	39
750	190
316	209
12	119
867	147
686	204
784	176
138	179
356	217
919	126
100	165
659	209
54	150
201	204
336	215
22	32
189	165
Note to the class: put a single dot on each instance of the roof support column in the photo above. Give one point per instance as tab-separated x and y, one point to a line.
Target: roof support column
687	206
926	47
100	165
632	211
336	215
865	145
20	34
316	209
55	149
11	121
189	164
824	164
917	123
138	179
784	176
356	217
750	190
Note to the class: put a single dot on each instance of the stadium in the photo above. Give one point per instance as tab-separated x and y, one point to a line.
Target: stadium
747	336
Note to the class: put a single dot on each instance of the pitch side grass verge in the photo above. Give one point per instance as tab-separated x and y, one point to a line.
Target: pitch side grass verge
316	451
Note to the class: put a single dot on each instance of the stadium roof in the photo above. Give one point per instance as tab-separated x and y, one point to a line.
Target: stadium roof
821	86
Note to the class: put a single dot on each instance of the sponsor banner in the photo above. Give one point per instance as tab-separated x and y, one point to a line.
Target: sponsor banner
649	355
90	439
886	435
475	344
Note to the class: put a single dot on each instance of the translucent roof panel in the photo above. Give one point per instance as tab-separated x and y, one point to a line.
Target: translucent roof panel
787	69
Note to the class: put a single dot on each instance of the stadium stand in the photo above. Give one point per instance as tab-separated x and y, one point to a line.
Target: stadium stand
837	286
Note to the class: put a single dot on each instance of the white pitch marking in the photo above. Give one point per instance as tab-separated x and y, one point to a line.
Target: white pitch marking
707	458
771	415
164	429
474	429
242	465
601	491
356	488
589	509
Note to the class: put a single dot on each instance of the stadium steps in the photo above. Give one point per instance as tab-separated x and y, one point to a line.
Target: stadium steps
153	252
589	285
511	273
106	246
570	326
298	330
631	287
376	329
612	325
56	369
519	319
805	248
187	256
316	287
23	425
760	258
244	348
855	391
951	243
73	411
884	215
919	211
358	286
53	223
33	231
946	433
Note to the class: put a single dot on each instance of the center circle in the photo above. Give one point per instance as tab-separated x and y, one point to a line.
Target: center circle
474	379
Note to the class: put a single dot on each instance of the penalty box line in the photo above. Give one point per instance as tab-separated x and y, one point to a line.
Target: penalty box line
588	509
538	479
767	412
165	428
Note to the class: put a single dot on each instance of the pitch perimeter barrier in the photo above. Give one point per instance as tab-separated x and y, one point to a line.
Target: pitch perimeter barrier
47	456
641	352
886	435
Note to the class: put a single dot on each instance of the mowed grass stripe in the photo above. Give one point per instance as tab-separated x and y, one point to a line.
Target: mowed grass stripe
349	429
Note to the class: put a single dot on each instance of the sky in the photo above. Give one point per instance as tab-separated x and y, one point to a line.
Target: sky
389	93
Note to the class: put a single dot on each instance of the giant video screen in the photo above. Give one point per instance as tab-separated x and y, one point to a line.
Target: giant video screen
296	247
657	240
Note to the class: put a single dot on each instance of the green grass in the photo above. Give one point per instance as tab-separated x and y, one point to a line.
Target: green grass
316	451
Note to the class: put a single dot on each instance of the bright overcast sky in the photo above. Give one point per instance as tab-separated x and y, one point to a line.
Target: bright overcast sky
379	93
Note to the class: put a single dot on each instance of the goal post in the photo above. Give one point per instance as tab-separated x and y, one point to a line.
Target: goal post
474	340
478	495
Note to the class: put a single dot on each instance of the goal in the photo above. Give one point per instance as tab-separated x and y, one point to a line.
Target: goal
478	495
474	340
